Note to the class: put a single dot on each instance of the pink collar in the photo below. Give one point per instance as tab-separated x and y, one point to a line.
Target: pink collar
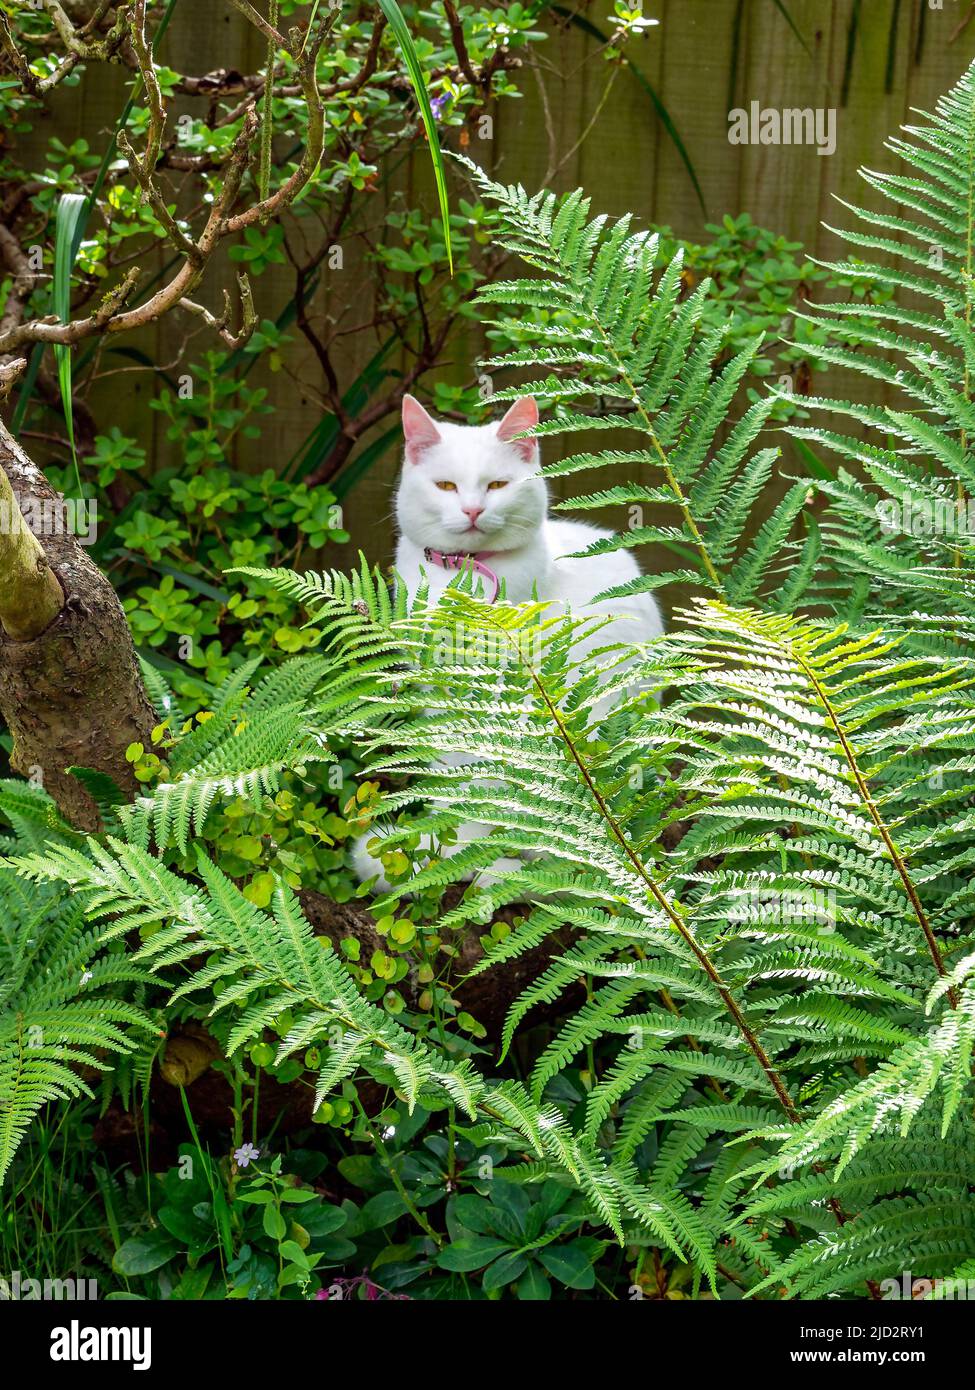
461	560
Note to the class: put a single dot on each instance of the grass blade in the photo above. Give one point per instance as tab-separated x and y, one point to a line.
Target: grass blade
311	22
394	17
813	462
69	230
26	390
780	6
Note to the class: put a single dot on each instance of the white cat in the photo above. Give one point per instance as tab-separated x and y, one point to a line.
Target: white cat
474	495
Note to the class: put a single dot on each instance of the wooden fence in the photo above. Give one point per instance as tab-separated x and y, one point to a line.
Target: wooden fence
870	61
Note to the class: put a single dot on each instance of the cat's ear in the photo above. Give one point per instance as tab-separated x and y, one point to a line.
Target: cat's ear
419	430
522	416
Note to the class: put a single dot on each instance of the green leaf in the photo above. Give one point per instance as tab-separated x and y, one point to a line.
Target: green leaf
471	1253
379	1211
274	1223
533	1286
504	1271
568	1264
72	211
404	38
143	1254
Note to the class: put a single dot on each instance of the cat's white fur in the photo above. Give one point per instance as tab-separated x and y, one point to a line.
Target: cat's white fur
529	550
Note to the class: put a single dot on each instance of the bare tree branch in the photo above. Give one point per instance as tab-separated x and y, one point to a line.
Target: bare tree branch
10	374
157	112
123	35
307	68
460	43
259	22
181	241
28	81
234	341
82	50
112	316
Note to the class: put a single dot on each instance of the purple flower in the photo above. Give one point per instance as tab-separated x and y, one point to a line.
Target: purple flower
245	1154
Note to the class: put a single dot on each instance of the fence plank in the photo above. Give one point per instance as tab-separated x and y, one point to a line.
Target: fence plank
626	163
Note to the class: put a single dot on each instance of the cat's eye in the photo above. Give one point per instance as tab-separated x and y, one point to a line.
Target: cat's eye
498	482
444	486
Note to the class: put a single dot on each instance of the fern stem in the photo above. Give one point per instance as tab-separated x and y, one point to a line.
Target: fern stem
663	902
668	472
685	931
893	852
969	234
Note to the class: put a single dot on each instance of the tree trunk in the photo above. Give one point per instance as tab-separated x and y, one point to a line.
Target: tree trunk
70	688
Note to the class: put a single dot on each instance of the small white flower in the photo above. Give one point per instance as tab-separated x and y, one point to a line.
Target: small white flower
245	1154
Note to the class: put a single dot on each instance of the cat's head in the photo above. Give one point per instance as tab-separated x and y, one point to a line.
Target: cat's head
470	487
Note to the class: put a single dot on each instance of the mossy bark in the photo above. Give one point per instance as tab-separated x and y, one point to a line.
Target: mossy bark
70	688
30	595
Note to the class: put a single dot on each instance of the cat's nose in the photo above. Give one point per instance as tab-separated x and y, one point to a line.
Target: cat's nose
473	513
